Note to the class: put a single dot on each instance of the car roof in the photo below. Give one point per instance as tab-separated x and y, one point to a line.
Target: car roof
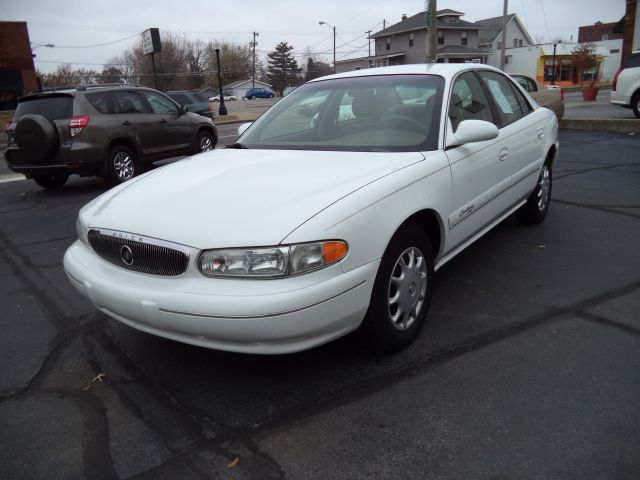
446	70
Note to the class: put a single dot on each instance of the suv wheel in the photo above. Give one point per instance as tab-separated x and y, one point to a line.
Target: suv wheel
51	181
121	164
204	142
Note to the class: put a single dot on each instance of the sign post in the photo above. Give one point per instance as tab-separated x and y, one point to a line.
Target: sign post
151	45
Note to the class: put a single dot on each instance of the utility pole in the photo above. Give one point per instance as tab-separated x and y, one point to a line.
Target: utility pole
334	42
253	44
504	34
368	32
223	109
432	31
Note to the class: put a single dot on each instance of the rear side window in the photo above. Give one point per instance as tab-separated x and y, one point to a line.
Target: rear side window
52	108
102	102
129	102
504	96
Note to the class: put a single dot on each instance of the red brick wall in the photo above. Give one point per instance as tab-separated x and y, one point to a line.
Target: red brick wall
594	33
15	52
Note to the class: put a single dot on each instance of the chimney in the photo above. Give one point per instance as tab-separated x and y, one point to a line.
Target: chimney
404	17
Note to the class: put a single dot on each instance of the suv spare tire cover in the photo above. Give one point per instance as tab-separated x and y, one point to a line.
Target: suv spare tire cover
37	138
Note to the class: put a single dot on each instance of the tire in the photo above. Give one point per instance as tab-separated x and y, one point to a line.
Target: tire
37	138
122	164
216	100
635	104
400	297
537	206
249	98
51	181
205	141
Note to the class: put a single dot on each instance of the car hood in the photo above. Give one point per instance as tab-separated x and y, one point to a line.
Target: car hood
233	197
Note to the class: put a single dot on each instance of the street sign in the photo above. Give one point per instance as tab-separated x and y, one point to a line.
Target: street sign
151	41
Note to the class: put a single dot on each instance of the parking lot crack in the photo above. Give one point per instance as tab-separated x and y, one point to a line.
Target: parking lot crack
600	208
607	321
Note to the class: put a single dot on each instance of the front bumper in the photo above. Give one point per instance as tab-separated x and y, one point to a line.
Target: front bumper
239	315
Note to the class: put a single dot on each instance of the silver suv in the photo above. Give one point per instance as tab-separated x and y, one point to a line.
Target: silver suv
626	84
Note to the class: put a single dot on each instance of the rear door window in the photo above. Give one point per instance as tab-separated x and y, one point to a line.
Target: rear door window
102	102
504	97
129	102
52	108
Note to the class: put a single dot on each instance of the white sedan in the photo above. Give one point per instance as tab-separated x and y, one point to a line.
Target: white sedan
227	98
304	231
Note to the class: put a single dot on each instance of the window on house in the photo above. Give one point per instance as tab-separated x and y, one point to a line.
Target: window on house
605	36
463	38
388	43
440	37
515	42
499	45
520	42
411	39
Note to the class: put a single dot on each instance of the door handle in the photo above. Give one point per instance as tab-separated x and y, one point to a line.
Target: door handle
540	133
126	122
164	120
503	155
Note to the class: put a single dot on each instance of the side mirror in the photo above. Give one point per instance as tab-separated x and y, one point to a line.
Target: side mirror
243	127
470	131
183	109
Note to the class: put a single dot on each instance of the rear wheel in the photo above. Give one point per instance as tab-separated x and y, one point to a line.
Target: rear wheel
537	206
401	292
51	181
121	164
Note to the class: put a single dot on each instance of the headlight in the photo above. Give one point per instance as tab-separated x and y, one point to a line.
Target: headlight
82	231
271	262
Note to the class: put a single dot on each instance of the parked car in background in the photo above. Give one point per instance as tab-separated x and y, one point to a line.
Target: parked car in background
194	101
626	84
112	131
305	231
258	93
227	98
549	96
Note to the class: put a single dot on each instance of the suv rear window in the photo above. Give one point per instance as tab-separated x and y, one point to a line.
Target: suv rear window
52	108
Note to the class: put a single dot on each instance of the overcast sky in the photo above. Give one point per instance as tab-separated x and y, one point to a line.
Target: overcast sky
73	23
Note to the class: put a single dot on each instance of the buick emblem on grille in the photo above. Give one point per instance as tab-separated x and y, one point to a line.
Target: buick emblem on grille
126	255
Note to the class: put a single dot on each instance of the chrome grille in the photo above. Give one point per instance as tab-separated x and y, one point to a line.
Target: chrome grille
152	257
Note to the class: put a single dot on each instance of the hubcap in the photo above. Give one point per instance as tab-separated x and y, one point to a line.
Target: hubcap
407	288
544	188
123	166
206	143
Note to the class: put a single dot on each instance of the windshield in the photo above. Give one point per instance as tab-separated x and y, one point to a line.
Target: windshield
375	113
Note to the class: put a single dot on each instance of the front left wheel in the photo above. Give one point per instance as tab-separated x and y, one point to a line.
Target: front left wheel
401	292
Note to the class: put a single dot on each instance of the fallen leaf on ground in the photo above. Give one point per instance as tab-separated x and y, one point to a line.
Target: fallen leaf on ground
234	463
97	378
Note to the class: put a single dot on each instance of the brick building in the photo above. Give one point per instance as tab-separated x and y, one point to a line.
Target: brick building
598	32
17	73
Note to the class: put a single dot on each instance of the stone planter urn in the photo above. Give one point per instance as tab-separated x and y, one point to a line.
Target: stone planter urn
589	94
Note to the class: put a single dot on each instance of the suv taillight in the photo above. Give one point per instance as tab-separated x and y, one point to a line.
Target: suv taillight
8	124
615	79
77	124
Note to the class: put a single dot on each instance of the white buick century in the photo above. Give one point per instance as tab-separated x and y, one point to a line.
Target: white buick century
330	213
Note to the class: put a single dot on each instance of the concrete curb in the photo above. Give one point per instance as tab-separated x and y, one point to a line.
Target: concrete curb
601	124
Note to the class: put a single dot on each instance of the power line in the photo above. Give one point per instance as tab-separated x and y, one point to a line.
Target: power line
96	44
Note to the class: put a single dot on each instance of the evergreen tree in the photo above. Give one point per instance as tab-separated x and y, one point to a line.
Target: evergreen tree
282	69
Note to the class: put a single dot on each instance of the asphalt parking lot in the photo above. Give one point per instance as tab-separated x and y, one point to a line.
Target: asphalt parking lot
527	368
